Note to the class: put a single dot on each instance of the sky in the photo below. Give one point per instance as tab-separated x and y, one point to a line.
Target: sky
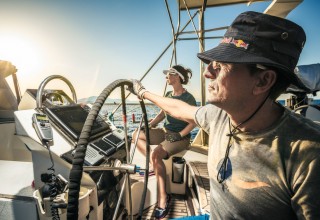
93	43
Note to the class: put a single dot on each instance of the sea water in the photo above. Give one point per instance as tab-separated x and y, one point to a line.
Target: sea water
134	116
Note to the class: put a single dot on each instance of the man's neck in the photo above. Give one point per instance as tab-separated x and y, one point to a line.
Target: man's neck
268	114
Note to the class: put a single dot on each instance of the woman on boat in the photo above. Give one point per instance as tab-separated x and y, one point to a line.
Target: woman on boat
263	160
174	137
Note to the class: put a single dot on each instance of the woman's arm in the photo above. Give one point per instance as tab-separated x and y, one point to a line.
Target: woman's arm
176	108
187	129
160	116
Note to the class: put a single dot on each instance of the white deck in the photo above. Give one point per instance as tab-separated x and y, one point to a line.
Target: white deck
16	178
16	192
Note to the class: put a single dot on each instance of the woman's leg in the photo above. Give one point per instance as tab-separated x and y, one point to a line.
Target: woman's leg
164	150
156	136
160	170
141	143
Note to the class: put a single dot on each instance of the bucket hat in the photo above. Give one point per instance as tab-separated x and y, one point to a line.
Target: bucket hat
257	38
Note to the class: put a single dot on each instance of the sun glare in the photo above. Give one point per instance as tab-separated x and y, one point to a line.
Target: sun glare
20	52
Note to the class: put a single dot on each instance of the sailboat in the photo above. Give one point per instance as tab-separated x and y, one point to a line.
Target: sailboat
63	160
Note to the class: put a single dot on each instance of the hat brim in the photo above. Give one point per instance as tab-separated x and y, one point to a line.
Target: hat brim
230	54
165	71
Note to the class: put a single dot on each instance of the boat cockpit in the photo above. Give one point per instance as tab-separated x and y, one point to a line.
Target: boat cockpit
61	159
82	168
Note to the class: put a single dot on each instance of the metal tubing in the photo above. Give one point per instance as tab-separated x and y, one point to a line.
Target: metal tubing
195	29
205	31
190	38
16	87
44	83
120	198
125	168
173	36
124	116
202	79
136	140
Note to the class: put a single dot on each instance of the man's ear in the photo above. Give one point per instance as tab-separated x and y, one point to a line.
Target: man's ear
264	81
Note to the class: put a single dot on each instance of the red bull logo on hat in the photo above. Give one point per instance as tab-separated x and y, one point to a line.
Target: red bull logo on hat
237	43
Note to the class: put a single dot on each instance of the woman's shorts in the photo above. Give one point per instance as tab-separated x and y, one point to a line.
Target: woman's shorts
157	136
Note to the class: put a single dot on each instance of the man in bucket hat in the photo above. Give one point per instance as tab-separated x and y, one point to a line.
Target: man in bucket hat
263	160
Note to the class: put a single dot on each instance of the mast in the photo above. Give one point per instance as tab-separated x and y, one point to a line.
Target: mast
203	135
201	49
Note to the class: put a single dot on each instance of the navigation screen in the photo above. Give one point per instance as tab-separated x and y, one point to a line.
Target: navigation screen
72	118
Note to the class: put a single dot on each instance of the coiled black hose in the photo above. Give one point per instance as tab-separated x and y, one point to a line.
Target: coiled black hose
54	210
53	190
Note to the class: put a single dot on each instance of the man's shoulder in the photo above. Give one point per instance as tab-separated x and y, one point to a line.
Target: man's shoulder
299	123
301	132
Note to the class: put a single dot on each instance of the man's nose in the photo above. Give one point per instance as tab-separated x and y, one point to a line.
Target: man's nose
210	72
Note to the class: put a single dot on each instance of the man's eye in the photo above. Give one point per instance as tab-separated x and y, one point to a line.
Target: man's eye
217	67
211	68
214	67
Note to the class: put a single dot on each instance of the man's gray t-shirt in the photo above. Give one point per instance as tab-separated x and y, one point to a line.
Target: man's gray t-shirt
272	174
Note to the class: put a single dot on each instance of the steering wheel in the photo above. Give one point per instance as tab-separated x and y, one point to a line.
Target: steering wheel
46	81
80	150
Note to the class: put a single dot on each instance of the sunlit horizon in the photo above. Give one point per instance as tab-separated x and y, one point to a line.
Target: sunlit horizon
20	51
